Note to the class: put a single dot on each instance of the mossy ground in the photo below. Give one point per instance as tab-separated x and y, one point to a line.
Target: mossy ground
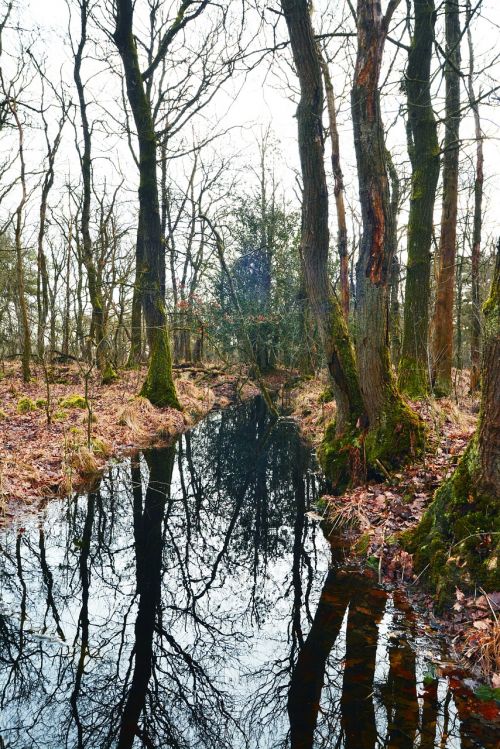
457	542
73	401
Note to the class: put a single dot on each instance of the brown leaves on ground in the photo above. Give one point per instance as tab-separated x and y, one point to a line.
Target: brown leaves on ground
371	517
38	459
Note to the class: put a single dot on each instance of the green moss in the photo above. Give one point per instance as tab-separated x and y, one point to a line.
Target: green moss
338	456
109	375
3	415
486	693
413	378
326	396
159	386
362	544
41	403
100	447
25	405
73	401
399	437
59	415
457	542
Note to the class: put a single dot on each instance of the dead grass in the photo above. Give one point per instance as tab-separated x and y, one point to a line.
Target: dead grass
309	411
482	647
38	459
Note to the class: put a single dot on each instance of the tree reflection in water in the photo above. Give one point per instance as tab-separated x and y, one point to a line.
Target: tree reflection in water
187	603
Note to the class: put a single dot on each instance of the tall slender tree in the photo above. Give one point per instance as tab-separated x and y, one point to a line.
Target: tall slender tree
423	148
338	189
442	322
159	386
395	430
475	342
315	237
98	334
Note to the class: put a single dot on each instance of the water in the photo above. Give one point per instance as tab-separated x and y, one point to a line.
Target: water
190	601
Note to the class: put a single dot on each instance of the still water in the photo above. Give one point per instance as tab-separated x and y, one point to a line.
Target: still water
191	602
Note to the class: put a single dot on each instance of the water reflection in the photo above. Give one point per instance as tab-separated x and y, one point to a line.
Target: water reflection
190	602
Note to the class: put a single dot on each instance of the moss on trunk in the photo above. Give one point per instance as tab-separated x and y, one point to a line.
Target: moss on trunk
356	454
457	541
159	386
398	437
341	457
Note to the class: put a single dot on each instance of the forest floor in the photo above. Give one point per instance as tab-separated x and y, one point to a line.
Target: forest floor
39	460
372	516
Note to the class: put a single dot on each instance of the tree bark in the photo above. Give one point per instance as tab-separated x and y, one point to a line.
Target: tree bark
475	343
423	148
395	431
97	326
159	386
442	324
18	230
338	190
315	236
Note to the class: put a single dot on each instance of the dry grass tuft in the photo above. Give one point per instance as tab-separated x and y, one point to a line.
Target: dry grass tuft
83	460
482	646
308	409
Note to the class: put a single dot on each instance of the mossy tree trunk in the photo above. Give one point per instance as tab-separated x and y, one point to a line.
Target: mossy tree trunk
395	432
458	540
423	148
159	386
442	322
315	235
98	333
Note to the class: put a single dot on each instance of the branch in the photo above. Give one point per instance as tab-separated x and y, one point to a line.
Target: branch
180	22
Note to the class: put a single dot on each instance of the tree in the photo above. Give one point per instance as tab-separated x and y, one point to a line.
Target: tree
442	321
423	148
338	189
458	539
475	344
159	386
98	333
314	243
395	431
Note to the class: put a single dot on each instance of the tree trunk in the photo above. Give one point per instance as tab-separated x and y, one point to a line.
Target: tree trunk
395	431
315	236
159	386
458	539
394	313
338	190
18	230
442	324
475	342
97	327
423	148
134	356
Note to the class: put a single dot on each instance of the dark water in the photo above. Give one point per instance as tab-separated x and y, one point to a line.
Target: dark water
191	602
